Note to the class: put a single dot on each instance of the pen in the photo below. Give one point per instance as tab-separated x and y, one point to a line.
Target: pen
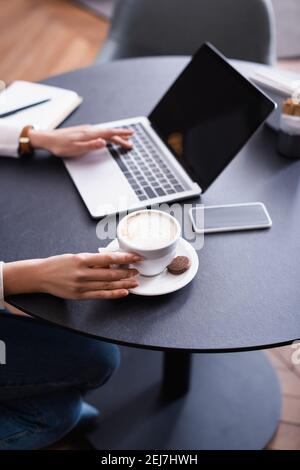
16	110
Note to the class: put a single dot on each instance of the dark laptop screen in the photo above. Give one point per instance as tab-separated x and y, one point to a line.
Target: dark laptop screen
208	114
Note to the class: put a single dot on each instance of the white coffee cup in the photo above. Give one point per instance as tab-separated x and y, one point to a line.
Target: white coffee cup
153	235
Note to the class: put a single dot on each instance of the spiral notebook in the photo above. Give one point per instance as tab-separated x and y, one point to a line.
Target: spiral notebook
44	116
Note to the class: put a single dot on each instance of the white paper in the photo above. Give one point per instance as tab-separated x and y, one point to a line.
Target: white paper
44	116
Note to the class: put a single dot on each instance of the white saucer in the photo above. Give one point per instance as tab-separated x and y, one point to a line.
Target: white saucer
164	283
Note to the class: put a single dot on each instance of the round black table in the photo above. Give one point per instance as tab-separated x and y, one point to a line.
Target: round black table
244	297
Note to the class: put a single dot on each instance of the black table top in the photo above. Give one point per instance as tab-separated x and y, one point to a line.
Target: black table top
246	293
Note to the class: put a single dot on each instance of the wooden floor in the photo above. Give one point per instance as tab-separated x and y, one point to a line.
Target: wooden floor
42	38
288	433
46	37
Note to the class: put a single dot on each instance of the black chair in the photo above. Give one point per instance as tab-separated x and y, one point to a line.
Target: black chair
241	29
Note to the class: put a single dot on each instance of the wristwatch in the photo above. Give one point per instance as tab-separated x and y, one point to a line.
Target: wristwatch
25	148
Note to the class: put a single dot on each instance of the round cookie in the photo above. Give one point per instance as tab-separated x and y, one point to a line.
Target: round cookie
179	265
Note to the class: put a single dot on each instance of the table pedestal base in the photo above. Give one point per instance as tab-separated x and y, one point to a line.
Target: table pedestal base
230	401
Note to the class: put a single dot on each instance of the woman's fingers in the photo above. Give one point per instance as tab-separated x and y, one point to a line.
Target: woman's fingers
109	133
114	285
92	138
118	136
106	259
121	141
90	132
87	146
105	294
109	274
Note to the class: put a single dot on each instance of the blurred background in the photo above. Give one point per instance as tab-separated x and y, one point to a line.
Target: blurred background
46	37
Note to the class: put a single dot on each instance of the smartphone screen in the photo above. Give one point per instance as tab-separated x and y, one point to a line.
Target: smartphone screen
230	217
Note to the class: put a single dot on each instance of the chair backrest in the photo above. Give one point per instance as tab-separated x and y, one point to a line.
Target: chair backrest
241	29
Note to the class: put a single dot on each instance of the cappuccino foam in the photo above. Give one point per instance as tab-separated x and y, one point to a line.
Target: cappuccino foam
149	231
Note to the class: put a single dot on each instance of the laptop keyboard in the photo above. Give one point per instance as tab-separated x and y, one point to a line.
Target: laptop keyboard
147	173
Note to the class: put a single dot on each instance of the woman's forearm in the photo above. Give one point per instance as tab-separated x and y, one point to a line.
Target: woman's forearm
22	277
73	276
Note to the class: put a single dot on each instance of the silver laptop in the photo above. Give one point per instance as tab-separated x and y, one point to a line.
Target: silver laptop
195	130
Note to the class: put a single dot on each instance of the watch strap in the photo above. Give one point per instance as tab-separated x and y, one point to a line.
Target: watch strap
25	146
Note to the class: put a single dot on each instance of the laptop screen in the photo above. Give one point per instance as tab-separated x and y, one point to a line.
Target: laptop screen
208	114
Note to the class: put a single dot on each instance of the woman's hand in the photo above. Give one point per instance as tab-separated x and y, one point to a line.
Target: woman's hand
73	276
77	141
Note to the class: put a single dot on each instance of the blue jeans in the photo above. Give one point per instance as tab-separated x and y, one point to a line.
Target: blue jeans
47	372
